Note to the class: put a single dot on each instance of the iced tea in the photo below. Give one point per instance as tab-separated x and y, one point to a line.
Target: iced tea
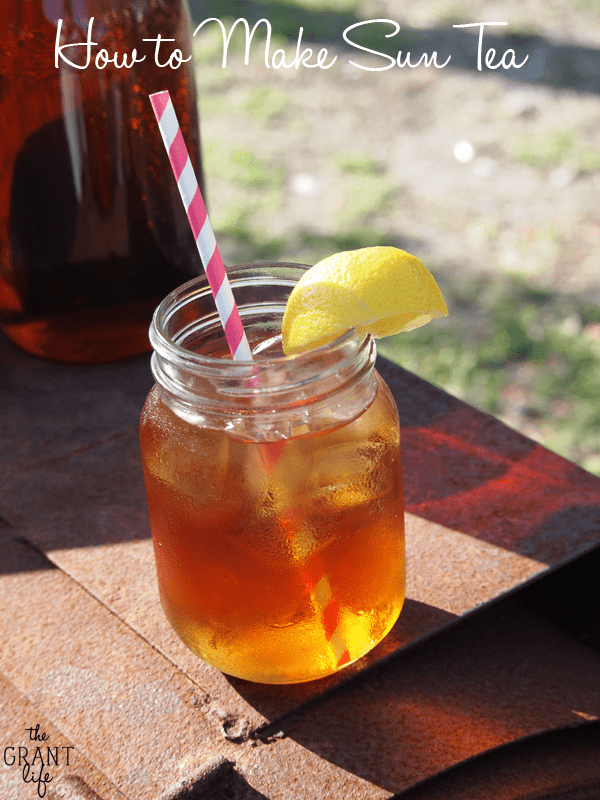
279	551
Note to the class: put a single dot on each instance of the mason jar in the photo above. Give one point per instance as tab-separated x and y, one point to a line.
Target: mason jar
274	487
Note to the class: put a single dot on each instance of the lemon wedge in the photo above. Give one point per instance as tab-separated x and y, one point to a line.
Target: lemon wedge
379	290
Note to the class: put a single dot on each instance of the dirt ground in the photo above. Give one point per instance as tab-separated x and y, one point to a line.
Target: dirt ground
491	177
497	170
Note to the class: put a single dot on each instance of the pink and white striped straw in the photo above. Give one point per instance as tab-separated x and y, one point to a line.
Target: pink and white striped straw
201	227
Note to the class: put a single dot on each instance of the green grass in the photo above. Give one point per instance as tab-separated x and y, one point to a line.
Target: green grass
592	6
266	104
240	166
320	22
555	149
367	195
522	354
450	13
358	163
527	355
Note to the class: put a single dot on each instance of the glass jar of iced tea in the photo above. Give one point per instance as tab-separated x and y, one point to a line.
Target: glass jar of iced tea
274	487
92	236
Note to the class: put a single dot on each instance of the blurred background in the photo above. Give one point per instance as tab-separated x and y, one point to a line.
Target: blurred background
491	177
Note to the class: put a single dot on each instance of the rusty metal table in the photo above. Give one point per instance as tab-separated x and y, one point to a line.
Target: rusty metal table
471	695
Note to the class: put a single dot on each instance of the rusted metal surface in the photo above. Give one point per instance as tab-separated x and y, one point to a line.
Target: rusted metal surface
112	695
494	678
469	472
557	765
142	723
77	506
51	411
68	774
85	643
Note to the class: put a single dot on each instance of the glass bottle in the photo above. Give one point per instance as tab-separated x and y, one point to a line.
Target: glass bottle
93	233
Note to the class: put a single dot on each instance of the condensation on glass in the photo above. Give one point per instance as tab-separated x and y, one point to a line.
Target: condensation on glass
274	488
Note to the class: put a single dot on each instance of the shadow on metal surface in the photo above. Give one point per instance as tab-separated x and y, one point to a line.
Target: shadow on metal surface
496	678
556	765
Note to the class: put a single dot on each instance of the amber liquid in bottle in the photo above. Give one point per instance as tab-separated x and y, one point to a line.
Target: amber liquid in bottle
93	233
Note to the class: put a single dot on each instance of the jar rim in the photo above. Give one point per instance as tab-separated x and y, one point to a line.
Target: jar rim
311	391
167	347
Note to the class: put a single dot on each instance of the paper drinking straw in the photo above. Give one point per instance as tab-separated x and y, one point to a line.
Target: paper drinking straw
210	256
201	227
